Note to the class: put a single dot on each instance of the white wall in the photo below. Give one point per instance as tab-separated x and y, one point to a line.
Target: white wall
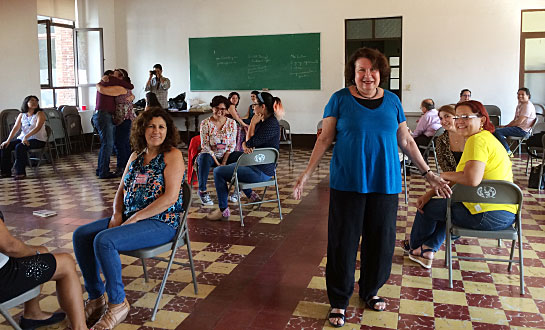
19	61
447	45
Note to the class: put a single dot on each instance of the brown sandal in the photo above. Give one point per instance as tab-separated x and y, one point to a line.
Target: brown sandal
94	310
115	314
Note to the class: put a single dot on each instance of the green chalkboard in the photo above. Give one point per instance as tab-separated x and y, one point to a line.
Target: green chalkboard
284	61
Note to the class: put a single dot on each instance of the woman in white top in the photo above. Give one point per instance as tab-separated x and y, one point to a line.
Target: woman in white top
33	136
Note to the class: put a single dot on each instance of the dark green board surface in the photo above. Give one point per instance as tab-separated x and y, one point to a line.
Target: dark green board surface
284	61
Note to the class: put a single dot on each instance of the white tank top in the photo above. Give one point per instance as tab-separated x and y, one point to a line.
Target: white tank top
27	124
3	259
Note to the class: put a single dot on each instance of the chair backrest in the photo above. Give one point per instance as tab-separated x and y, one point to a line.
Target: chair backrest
186	204
285	131
493	110
260	156
437	133
488	192
8	118
68	110
73	125
55	120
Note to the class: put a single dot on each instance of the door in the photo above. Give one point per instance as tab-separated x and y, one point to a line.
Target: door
89	46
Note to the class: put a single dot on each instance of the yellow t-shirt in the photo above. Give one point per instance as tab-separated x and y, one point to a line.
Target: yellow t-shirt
484	147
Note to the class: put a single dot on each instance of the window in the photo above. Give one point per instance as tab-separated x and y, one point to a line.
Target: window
532	50
57	62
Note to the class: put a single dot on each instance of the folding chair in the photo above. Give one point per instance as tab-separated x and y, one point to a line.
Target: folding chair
517	141
260	156
73	127
494	113
535	152
95	135
22	298
180	239
40	152
285	137
431	147
7	121
56	122
491	192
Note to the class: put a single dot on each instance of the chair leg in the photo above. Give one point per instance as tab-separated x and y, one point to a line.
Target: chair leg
448	245
278	198
191	265
499	243
145	269
521	265
7	316
237	191
289	159
262	198
163	283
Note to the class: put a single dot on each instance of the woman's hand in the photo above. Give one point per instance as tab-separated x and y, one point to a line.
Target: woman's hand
246	149
256	118
115	220
299	184
4	144
422	201
25	142
133	219
216	161
439	185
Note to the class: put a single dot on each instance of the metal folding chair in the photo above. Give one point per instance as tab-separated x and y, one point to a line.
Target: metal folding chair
285	137
20	299
490	192
180	239
258	157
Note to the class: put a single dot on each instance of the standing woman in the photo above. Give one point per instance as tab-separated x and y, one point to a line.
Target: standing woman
242	128
123	117
146	212
365	178
33	136
450	144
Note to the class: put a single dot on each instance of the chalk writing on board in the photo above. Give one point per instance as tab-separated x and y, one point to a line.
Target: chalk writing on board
257	64
301	68
226	60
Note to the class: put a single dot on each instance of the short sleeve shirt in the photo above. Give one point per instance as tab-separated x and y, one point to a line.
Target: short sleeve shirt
484	147
365	157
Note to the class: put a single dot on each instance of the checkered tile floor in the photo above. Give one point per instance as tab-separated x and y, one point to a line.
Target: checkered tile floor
485	295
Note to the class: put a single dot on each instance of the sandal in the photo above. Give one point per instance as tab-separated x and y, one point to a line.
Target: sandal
371	303
406	246
420	259
335	315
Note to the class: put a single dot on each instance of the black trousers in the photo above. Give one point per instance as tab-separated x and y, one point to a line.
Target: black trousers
351	215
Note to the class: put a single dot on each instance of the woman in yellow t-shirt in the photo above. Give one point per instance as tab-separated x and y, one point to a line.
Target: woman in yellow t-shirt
484	158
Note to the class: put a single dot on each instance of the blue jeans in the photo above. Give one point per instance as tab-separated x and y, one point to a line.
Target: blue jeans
430	228
97	248
502	132
21	155
105	126
222	177
205	162
123	144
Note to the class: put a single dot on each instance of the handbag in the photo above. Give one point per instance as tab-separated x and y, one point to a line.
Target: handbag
535	181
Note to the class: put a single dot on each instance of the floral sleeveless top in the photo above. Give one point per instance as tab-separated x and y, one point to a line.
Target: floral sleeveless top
143	184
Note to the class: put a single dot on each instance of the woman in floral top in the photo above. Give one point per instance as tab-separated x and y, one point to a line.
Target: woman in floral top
218	141
146	213
450	144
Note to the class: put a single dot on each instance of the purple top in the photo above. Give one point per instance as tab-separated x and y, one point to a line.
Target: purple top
428	124
105	102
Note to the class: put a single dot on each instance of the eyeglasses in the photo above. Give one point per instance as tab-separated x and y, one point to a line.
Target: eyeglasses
465	117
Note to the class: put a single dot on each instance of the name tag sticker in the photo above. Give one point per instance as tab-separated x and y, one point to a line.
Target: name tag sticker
478	208
141	178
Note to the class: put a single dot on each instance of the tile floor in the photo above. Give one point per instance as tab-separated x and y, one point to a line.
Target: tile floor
270	274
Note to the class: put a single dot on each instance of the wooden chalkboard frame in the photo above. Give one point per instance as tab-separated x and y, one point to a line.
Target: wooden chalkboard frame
274	62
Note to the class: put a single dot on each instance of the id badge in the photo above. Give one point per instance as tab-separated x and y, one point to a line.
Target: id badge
141	178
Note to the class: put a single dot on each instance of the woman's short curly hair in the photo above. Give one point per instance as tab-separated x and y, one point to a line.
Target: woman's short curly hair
378	61
138	130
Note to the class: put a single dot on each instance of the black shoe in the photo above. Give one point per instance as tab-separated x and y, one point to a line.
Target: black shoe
5	175
30	324
109	175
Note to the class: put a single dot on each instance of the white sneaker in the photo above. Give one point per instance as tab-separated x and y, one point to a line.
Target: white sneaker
205	198
233	198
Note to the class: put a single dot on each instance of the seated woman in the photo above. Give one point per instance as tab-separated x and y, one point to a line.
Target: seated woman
152	101
248	118
484	158
33	136
427	124
264	132
146	212
218	141
23	267
450	144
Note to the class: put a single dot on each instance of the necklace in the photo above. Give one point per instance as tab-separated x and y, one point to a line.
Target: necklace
366	97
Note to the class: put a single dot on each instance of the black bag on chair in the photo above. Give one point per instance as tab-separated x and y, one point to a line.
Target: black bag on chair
178	102
535	181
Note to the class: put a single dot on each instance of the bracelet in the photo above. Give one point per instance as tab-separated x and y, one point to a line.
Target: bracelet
37	252
425	173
